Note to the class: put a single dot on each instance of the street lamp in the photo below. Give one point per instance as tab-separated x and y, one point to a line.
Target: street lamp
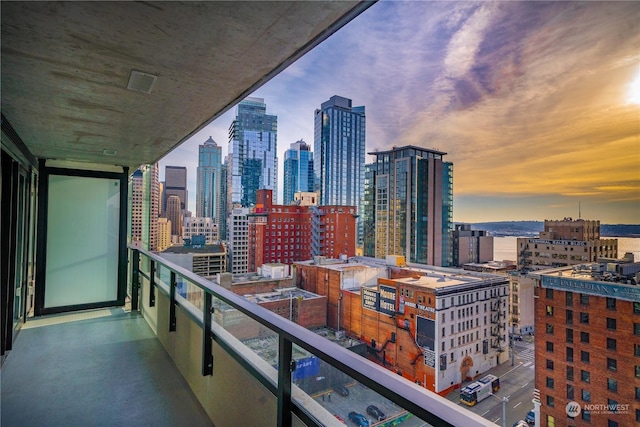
505	400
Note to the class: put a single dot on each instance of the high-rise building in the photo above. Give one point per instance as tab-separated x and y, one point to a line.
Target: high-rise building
562	243
277	233
145	200
339	154
368	211
205	227
289	233
471	246
253	162
298	171
587	344
175	184
414	205
174	215
164	234
238	233
224	206
208	189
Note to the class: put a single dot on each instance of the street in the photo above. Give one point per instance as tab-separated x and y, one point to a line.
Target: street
516	383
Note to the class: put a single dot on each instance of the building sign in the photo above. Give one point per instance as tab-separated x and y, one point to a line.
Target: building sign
426	333
370	299
307	367
430	358
601	289
419	306
558	242
387	300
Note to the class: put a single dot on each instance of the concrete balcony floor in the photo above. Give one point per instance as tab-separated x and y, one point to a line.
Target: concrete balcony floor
100	368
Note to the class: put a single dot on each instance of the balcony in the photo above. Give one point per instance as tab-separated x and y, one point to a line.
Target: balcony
181	358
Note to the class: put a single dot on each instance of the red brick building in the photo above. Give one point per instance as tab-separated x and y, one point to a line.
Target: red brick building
435	328
278	233
587	345
275	294
286	234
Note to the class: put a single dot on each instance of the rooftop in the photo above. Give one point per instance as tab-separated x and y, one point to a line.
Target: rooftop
207	249
281	294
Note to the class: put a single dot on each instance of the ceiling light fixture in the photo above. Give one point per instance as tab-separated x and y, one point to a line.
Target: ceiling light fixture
108	152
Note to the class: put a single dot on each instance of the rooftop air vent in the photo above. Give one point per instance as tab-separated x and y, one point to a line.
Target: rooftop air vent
141	82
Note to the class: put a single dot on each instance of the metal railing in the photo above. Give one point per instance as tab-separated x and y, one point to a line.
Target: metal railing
423	404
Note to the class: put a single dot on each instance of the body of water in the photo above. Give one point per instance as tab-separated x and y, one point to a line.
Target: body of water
505	248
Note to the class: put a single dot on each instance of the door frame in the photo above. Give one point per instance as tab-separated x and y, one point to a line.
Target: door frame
41	249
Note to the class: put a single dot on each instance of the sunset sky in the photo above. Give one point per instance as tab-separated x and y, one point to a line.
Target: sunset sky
537	104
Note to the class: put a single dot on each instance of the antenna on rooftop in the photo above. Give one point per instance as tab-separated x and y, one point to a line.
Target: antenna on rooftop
579	211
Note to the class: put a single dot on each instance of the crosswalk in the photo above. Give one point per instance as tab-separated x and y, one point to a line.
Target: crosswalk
528	357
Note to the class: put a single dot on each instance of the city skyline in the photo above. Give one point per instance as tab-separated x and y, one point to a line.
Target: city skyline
537	104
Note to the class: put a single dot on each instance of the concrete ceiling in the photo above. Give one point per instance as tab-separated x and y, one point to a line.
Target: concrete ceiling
66	66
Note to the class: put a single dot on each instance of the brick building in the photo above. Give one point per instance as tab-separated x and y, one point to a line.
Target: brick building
587	345
290	233
562	243
436	327
274	291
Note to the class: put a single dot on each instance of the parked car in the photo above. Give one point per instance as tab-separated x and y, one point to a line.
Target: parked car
375	412
341	390
520	423
530	418
339	418
358	419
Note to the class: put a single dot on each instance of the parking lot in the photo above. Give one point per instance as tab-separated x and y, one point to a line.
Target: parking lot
516	383
358	399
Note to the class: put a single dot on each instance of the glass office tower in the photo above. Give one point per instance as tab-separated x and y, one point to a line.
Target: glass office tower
298	170
253	162
339	154
175	184
208	191
413	205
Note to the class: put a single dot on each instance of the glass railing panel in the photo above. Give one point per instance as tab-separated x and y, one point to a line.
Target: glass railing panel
164	274
145	264
254	335
190	293
332	397
323	370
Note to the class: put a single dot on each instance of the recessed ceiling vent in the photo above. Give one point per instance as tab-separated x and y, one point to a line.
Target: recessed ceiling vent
141	82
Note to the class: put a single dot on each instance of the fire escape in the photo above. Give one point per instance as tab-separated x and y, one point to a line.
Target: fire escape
317	231
498	304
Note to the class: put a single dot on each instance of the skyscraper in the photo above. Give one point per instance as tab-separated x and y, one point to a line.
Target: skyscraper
208	190
368	211
175	184
298	170
175	216
253	163
224	212
339	154
414	205
144	199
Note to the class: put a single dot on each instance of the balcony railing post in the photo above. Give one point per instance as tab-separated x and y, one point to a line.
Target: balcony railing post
207	351
135	279
152	283
285	367
172	303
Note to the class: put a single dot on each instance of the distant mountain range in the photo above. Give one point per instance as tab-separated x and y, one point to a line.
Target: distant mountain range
532	228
